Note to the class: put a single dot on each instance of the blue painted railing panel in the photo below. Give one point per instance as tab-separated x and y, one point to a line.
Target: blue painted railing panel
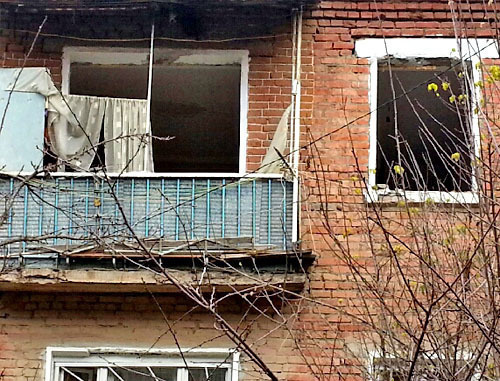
67	211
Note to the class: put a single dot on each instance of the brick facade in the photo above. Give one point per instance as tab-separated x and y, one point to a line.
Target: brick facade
335	91
269	74
337	161
32	322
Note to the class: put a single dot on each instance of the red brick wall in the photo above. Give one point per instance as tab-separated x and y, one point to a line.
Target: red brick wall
335	92
334	212
29	323
14	54
269	76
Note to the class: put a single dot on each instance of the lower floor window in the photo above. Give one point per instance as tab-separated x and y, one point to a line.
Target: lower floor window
111	373
433	368
103	365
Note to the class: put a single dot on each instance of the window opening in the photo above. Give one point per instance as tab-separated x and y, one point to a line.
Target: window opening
142	374
195	105
100	158
435	137
114	81
126	373
50	161
198	106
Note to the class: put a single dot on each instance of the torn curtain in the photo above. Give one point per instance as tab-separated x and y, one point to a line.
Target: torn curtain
74	138
74	123
272	162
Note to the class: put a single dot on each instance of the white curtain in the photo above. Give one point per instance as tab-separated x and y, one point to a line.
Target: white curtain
127	136
74	137
272	163
69	141
74	124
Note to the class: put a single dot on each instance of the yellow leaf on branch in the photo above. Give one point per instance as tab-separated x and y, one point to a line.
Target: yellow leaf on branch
398	169
432	87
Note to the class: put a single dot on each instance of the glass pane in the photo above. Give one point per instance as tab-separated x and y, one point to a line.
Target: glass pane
165	374
207	374
77	374
142	374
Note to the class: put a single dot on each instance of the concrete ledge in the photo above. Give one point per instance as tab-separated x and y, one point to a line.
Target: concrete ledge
111	281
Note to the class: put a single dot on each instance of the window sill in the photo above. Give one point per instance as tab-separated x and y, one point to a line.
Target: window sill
388	196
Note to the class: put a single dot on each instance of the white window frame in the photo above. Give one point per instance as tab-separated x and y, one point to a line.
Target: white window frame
58	357
377	354
74	54
376	49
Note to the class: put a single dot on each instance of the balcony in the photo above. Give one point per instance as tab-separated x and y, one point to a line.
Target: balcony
179	199
63	215
73	233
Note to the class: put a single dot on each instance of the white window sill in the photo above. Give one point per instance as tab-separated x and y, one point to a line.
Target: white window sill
395	195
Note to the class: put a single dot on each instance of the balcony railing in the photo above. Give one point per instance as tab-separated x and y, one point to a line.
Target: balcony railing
44	213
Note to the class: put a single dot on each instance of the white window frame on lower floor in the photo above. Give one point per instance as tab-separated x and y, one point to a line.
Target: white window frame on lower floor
58	358
375	49
378	355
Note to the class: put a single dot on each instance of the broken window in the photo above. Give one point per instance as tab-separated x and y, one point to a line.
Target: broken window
79	374
195	107
115	81
198	106
424	140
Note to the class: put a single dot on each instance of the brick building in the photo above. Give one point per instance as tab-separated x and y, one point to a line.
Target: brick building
203	190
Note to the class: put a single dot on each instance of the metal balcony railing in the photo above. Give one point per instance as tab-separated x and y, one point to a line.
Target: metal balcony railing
71	211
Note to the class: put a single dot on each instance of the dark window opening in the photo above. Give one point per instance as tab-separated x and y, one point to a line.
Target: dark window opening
49	158
142	374
435	140
196	106
114	81
99	159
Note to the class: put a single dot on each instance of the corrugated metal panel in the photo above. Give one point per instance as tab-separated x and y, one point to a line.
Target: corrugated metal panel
75	210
